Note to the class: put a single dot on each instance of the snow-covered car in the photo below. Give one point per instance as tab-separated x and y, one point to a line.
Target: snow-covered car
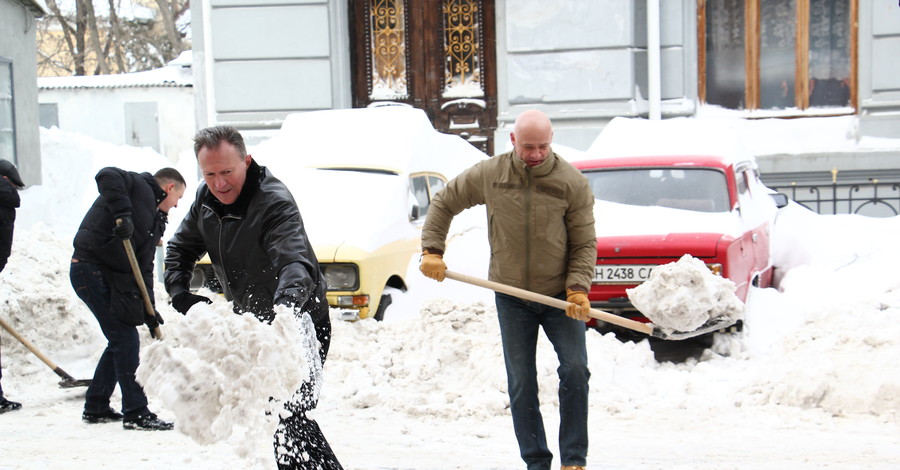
662	195
363	179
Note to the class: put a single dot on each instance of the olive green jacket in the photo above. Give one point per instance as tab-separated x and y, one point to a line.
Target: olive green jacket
540	221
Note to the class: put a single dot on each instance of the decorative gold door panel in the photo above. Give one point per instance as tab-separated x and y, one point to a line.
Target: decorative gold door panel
437	55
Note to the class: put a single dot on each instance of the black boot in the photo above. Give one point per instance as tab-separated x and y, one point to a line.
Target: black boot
107	416
6	405
146	422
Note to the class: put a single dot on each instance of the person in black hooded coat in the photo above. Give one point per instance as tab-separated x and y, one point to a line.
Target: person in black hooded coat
131	207
9	202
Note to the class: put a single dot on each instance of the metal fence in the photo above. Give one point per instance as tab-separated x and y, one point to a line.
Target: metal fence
875	198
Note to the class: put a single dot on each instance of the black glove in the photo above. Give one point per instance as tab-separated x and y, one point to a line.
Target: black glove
124	229
154	322
185	300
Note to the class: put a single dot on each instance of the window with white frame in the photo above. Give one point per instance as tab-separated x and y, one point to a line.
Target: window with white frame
7	117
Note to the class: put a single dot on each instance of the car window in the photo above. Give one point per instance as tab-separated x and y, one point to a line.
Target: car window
436	184
697	189
419	187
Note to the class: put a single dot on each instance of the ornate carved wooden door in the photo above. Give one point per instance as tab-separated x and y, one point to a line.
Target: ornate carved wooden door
437	55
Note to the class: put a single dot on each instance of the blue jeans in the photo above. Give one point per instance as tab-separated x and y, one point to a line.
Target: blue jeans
121	357
520	321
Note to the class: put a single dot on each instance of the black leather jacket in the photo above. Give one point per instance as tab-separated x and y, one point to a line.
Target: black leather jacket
258	247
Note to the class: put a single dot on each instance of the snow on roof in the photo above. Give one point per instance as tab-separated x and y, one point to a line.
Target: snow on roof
729	134
177	73
36	6
396	138
627	137
125	9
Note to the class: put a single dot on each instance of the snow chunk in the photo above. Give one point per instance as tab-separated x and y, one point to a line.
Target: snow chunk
216	370
683	295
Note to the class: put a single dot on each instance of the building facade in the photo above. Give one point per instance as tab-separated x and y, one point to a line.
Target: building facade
153	109
474	65
19	130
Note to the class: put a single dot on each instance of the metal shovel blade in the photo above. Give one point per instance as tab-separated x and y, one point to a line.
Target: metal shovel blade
713	325
74	383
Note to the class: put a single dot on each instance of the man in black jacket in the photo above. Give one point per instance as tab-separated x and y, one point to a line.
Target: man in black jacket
10	185
249	224
131	206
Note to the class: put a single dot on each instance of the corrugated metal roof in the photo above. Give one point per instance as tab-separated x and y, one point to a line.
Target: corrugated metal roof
177	74
36	6
60	85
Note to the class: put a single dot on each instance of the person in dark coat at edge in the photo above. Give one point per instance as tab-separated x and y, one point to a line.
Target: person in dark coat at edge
131	206
250	225
9	201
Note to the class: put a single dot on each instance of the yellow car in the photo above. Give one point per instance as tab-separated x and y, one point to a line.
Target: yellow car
363	195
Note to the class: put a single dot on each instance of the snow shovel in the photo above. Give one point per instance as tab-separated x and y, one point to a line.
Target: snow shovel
148	305
650	329
67	380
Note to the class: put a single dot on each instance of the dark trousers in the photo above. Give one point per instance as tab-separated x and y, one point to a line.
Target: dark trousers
520	322
121	357
1	377
299	442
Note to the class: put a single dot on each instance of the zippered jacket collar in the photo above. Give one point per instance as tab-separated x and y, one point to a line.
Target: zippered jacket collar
537	171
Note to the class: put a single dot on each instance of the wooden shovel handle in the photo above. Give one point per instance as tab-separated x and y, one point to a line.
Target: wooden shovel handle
148	305
551	301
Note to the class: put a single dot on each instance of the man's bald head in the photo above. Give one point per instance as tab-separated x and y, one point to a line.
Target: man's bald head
531	137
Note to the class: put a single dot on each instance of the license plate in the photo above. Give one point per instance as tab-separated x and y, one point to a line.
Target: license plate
621	273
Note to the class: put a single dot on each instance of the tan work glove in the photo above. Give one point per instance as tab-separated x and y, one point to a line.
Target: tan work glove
432	265
578	305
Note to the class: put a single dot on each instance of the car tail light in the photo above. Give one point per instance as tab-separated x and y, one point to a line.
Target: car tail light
716	268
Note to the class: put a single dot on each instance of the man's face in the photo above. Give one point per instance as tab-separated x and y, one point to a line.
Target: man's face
224	171
532	144
174	192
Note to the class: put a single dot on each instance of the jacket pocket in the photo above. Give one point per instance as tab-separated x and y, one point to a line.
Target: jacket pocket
550	221
126	302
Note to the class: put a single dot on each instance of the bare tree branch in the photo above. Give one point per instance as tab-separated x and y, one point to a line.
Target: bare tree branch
168	20
114	36
73	42
94	38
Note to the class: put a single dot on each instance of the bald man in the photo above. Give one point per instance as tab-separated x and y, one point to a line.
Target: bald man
541	232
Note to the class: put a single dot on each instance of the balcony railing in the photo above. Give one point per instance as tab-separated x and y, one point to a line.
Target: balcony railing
875	198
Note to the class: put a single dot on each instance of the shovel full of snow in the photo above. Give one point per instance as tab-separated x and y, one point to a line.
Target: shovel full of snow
67	380
694	305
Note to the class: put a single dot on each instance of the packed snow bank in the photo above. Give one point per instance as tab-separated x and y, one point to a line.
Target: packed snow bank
69	163
831	336
40	305
683	295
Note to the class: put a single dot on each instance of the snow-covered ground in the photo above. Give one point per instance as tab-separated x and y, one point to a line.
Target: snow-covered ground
810	383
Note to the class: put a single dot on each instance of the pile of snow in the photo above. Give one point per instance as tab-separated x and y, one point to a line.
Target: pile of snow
69	163
446	363
40	305
220	370
684	295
